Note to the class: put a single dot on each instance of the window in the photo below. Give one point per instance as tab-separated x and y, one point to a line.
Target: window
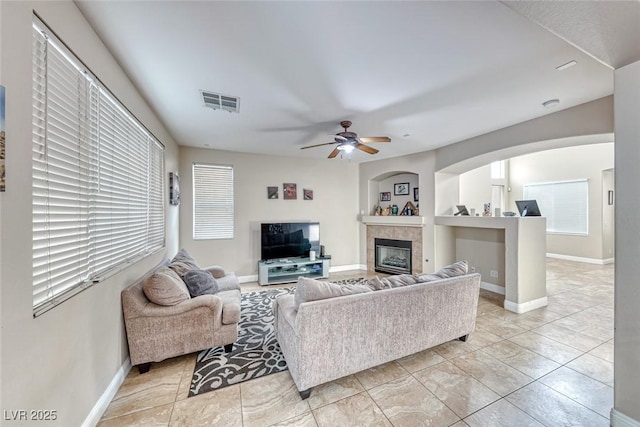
212	201
497	197
498	169
98	199
565	204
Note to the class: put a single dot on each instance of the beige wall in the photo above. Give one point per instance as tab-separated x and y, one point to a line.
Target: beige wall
65	359
475	188
564	164
334	205
588	123
627	288
485	251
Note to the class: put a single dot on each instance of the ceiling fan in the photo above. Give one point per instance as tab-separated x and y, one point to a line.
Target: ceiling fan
348	141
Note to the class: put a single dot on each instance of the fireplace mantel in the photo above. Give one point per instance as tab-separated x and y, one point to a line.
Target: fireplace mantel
394	220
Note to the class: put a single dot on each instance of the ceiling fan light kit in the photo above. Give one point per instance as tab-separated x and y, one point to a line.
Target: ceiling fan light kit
348	141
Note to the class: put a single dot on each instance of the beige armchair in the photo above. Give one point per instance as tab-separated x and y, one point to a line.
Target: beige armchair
157	332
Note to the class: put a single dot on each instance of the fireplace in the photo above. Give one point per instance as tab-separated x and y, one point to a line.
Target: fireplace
392	256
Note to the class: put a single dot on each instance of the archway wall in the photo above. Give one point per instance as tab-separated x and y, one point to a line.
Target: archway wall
588	123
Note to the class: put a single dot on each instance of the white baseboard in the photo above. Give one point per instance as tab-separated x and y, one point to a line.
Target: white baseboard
582	259
246	279
339	268
618	419
492	288
103	403
525	306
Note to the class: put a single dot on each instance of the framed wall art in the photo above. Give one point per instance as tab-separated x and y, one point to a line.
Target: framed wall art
174	189
385	196
272	192
290	191
307	194
401	189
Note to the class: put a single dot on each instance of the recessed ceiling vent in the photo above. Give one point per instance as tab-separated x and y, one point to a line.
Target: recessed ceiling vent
221	102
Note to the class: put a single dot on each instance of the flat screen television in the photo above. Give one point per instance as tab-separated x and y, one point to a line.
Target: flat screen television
528	207
282	240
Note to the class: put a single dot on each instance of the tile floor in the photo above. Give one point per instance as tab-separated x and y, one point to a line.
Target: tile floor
552	367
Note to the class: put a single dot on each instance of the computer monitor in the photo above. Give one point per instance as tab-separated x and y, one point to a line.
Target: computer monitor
462	210
528	207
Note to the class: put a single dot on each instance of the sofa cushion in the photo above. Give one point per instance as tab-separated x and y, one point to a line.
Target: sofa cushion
313	290
200	282
165	287
459	268
180	268
184	257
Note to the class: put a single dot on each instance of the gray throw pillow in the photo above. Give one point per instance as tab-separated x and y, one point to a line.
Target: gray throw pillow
313	290
200	282
184	257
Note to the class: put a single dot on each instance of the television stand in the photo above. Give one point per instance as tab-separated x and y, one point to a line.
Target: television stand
271	272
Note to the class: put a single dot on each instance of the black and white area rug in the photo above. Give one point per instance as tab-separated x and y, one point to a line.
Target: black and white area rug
256	353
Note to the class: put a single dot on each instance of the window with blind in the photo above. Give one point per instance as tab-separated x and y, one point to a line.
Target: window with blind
97	178
565	204
212	201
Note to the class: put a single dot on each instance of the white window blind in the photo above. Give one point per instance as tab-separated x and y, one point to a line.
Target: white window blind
565	204
212	201
97	178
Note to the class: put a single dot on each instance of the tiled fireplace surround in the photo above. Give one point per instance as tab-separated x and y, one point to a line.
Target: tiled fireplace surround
397	232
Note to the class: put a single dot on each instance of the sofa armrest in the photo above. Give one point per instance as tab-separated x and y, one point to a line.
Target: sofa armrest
213	302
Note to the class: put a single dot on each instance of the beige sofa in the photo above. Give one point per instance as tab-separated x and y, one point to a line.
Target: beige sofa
157	332
327	339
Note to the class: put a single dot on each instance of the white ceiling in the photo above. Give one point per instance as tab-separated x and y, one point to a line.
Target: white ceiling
439	71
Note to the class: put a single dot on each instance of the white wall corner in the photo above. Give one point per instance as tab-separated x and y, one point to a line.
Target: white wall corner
103	403
618	419
525	306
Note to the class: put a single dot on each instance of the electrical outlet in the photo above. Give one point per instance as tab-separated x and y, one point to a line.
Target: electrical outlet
472	269
494	274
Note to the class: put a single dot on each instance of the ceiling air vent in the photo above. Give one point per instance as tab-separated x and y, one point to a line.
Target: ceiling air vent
221	102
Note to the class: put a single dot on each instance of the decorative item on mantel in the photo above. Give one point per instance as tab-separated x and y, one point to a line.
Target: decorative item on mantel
394	210
487	209
409	210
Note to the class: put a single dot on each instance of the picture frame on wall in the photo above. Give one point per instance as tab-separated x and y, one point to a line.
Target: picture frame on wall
385	196
272	193
290	191
401	189
307	194
415	194
174	189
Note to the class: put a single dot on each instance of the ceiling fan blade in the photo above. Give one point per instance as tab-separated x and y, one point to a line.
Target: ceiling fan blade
334	153
375	139
366	148
318	145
